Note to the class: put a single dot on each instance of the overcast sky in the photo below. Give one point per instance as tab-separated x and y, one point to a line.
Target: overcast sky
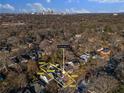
76	6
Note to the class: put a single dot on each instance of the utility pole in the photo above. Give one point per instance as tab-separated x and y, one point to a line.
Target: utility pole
63	50
63	71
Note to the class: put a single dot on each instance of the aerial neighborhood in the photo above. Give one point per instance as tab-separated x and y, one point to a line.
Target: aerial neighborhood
61	53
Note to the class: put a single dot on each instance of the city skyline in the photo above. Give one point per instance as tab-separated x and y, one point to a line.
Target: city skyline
70	6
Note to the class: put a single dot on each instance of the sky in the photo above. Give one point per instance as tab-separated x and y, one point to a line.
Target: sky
70	6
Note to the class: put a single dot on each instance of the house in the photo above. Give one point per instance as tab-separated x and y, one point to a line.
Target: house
112	65
72	65
75	61
69	63
78	35
25	58
93	54
60	82
69	67
15	59
85	57
35	54
6	47
82	88
104	53
38	88
44	78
